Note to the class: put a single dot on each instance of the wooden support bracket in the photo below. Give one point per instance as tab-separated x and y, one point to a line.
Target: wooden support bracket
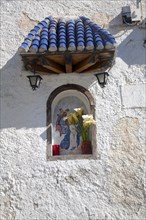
85	64
68	62
51	65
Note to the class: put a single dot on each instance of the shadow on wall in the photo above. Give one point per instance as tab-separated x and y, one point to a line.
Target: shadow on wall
116	22
131	49
21	107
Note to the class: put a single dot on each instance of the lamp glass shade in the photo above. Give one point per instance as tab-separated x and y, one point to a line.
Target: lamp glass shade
35	81
101	78
106	77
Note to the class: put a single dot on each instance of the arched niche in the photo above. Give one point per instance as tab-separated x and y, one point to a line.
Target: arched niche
66	98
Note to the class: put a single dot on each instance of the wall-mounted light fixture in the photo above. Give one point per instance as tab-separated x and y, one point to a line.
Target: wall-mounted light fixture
34	80
126	14
132	14
102	78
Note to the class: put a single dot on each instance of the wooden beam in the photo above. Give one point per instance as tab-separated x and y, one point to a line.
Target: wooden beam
59	59
53	68
43	70
68	62
101	65
40	69
51	65
77	58
105	60
85	64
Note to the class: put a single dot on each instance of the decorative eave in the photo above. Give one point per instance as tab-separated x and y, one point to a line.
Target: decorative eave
58	46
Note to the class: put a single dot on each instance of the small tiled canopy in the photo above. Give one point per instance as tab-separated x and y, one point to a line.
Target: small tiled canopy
64	46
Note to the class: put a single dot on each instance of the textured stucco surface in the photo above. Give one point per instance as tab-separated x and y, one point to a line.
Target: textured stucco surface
111	187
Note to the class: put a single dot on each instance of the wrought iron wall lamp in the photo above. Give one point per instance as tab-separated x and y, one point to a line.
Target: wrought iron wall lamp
102	78
34	80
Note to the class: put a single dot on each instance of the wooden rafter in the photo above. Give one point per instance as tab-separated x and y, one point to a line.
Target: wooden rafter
85	64
38	68
100	66
51	65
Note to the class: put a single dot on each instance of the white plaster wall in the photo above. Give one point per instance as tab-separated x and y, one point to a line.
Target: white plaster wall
111	187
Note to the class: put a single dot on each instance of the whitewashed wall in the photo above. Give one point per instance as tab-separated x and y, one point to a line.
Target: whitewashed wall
111	187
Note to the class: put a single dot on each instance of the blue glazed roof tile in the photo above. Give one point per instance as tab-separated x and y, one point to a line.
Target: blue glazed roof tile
51	35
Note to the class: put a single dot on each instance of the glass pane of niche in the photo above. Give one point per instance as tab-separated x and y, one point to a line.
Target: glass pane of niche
66	134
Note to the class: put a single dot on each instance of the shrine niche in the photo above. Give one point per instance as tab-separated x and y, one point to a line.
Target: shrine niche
68	45
64	135
67	135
